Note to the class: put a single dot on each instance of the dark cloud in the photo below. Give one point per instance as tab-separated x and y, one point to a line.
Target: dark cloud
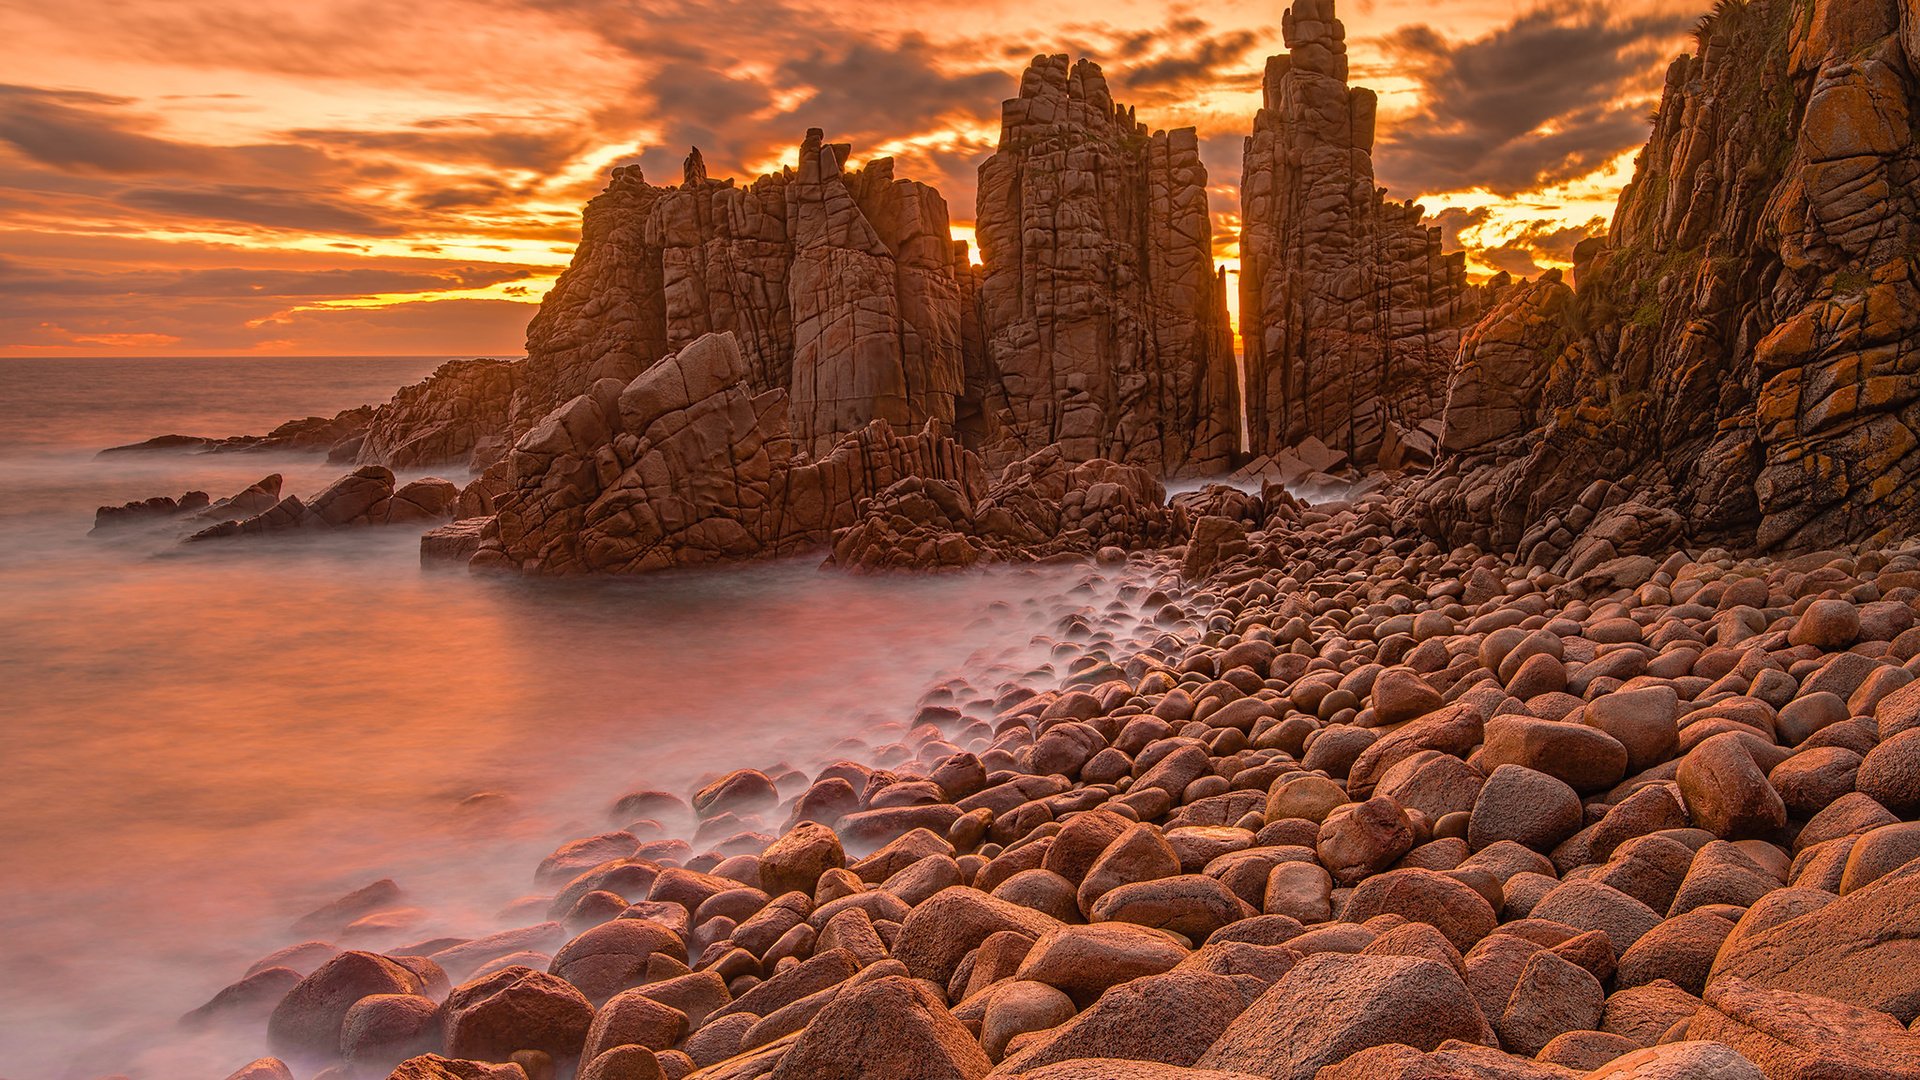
273	208
1453	221
1551	97
1524	250
491	141
1517	261
280	284
78	131
1196	59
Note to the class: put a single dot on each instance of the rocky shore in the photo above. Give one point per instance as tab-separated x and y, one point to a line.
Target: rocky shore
1539	702
1321	803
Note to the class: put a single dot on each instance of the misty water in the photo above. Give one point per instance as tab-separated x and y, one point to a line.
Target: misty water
202	743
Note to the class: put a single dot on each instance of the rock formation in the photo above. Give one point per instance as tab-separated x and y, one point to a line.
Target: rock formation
1102	322
838	285
366	496
1736	362
689	463
459	415
1042	506
1350	315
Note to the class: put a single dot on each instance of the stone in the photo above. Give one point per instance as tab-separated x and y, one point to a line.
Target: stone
1586	759
1083	961
1680	1061
614	956
889	1026
1890	774
516	1009
1020	1007
795	862
1862	949
1805	1037
1551	997
1829	625
382	1030
1141	853
1727	792
1364	840
1192	905
1526	807
1425	896
634	1018
307	1022
1330	1006
1170	1018
952	923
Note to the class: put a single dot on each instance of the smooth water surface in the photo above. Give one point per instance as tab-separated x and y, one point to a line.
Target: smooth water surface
201	743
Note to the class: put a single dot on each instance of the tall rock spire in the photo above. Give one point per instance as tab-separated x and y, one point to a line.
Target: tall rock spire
1103	325
1350	314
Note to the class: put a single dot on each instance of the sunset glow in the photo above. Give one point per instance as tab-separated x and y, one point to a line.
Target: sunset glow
205	177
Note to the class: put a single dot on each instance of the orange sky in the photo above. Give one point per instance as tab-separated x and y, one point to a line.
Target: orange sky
337	177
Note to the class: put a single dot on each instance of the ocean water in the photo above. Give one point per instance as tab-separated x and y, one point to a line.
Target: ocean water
200	744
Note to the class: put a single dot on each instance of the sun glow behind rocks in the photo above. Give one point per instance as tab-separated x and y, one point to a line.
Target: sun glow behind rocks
138	140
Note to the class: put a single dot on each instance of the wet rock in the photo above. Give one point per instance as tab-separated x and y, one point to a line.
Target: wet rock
516	1009
307	1022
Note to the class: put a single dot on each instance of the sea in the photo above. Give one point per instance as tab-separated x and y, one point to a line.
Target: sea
200	743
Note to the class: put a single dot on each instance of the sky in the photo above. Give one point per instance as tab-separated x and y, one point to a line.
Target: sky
365	177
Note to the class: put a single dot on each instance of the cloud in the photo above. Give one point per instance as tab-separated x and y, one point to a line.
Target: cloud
1455	220
273	208
428	327
68	130
1553	96
499	142
1185	56
274	284
1524	248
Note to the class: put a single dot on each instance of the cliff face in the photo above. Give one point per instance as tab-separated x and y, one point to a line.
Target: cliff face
686	464
1350	314
1102	324
839	287
1739	358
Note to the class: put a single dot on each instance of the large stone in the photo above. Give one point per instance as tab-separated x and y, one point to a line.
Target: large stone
1862	949
1170	1018
516	1008
1803	1037
1332	1006
889	1026
307	1022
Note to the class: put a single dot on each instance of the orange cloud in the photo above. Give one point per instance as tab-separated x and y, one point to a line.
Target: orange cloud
361	176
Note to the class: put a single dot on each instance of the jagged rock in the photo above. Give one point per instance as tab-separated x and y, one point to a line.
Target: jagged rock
1350	313
363	497
459	415
687	465
158	508
1041	506
1731	363
839	286
1104	327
